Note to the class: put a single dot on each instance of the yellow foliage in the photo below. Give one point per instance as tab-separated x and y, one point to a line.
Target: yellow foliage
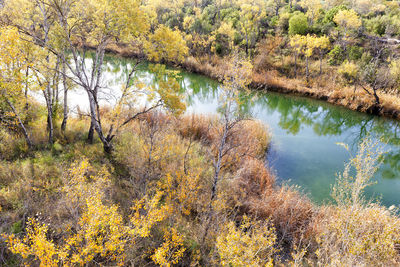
35	244
313	7
166	44
171	250
148	212
347	19
250	245
249	18
183	190
306	44
104	19
79	186
349	71
13	58
101	233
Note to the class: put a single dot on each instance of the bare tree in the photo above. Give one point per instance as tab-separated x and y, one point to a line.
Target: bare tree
232	114
375	76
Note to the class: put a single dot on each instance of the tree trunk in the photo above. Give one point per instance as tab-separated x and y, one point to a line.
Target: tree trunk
26	89
65	118
377	100
217	169
48	94
21	124
50	126
96	124
295	64
307	71
91	132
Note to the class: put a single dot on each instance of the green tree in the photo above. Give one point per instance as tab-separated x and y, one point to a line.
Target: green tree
298	24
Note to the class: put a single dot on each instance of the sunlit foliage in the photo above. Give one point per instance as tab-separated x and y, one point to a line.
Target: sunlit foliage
252	244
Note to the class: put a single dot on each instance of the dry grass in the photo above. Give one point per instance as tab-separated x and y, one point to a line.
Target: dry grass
252	181
198	127
161	152
291	212
358	236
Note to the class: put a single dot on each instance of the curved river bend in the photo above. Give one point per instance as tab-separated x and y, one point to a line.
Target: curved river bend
305	132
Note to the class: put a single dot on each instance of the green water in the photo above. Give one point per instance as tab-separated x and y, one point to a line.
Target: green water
305	132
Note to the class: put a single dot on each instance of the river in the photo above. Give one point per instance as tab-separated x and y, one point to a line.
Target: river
305	132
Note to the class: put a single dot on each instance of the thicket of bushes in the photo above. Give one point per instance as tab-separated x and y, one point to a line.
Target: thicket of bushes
149	203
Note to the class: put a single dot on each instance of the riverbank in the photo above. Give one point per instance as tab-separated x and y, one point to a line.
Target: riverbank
330	90
152	197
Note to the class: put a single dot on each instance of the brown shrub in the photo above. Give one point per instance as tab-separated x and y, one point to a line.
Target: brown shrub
197	127
253	180
291	212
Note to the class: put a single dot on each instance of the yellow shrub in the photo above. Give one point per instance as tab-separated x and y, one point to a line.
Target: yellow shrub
171	250
101	233
35	244
250	245
146	213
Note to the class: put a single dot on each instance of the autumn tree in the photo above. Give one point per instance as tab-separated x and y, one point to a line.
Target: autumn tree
276	5
313	8
306	45
348	21
350	73
230	108
375	76
166	45
13	80
249	18
303	45
79	24
321	44
27	16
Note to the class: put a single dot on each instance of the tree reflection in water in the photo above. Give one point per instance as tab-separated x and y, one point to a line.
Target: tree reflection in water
294	117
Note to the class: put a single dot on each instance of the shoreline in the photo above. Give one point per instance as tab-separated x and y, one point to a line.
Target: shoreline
269	81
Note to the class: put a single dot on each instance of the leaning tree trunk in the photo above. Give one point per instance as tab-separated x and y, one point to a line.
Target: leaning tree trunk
91	132
21	124
377	100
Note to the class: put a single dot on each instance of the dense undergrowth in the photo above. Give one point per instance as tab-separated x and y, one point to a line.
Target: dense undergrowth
149	202
156	187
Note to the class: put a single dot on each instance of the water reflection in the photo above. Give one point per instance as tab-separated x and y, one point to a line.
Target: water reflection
305	132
